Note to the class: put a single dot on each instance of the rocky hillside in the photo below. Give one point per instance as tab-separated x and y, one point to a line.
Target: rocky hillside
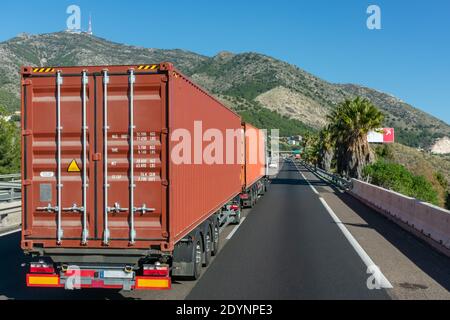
253	84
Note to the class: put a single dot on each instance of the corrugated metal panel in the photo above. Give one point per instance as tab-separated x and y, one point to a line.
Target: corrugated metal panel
255	154
199	190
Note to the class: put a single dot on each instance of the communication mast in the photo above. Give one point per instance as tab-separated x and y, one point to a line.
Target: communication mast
90	25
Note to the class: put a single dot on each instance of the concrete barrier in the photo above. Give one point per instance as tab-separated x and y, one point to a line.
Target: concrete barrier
429	222
10	214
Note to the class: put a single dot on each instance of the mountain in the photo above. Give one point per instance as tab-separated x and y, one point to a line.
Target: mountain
268	91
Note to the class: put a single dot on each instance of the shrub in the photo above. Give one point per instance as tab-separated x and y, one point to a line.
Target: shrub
397	178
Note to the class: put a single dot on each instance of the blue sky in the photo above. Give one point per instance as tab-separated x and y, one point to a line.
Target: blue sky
409	57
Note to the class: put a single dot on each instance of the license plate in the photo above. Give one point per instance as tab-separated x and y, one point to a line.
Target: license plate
117	274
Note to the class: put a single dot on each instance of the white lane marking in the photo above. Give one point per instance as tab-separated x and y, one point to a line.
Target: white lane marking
235	229
383	281
309	183
9	232
312	187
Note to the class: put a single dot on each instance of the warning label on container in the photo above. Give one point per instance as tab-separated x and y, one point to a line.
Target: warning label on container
73	167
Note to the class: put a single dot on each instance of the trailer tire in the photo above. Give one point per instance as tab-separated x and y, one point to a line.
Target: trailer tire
216	237
237	217
207	247
197	256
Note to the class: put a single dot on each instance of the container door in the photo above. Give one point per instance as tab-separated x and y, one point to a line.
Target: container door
133	142
94	145
58	169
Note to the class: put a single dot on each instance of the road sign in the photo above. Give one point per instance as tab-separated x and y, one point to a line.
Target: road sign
381	135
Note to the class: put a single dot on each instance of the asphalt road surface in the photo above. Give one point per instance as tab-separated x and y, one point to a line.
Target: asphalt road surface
303	240
290	248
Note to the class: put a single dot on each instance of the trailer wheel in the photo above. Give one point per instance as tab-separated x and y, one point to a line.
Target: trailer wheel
237	217
216	242
208	247
252	200
197	255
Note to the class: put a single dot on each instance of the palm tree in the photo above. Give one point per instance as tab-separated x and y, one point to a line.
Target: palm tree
326	149
350	122
311	148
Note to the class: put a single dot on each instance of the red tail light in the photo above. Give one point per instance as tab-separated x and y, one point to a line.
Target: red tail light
244	196
156	271
41	268
234	207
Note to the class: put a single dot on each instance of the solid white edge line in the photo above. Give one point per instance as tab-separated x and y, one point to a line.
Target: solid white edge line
307	181
235	229
384	282
9	232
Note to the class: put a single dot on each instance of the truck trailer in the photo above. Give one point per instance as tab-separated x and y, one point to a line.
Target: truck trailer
116	190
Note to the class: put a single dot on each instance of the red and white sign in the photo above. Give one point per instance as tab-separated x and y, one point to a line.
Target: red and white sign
382	135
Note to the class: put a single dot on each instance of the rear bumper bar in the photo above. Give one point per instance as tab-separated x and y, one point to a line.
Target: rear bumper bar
137	283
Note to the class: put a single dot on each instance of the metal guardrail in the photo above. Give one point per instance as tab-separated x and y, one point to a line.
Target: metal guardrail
10	177
10	187
336	180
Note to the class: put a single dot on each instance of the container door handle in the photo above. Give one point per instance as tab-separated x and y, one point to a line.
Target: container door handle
85	233
132	80
59	82
106	232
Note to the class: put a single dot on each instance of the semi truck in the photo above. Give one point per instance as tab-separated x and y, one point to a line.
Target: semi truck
123	185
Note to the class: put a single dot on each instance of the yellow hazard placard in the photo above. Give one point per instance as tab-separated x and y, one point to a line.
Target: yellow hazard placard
73	167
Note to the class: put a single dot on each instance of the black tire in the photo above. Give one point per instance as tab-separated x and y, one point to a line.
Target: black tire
208	248
252	200
197	255
237	217
216	242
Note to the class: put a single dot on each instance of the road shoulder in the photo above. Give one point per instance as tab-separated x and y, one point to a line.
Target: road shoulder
415	270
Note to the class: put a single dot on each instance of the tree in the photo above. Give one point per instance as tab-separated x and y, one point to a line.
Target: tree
311	148
9	146
326	149
350	124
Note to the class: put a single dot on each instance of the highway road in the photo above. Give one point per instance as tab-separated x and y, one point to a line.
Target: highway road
303	240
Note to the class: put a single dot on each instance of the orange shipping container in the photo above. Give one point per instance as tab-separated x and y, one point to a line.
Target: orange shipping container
255	155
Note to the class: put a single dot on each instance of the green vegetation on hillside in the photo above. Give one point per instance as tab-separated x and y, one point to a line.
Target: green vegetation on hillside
8	101
416	138
266	119
397	178
435	168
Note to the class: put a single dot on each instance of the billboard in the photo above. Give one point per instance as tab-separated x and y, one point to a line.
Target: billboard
381	135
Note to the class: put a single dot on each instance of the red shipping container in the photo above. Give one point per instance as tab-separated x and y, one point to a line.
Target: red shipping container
79	125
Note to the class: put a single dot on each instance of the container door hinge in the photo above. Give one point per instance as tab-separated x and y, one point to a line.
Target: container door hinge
27	132
164	79
26	182
27	82
27	233
165	131
165	182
